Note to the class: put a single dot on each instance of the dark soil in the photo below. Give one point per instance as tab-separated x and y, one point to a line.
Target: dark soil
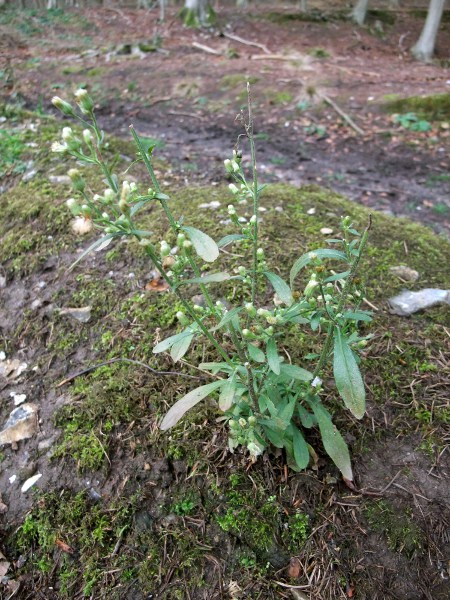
386	538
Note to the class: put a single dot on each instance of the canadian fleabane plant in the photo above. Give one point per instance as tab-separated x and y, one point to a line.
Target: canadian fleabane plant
263	397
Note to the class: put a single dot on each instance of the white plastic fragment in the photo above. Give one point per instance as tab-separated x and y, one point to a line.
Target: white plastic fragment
30	482
12	479
326	230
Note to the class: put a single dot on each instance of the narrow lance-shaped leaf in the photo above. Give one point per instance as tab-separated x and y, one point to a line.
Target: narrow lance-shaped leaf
227	394
295	372
229	239
180	347
348	378
333	442
186	402
300	448
273	358
204	245
210	278
281	288
256	353
98	245
170	341
309	256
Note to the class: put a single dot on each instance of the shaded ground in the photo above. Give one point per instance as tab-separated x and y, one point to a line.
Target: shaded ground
127	512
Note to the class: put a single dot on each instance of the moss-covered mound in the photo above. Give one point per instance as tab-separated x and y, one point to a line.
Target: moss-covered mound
129	512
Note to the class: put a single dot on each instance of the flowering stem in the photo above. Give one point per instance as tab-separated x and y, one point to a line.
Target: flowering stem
345	290
255	193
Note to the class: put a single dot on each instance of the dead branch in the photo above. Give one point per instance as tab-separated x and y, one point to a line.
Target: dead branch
207	49
342	114
236	38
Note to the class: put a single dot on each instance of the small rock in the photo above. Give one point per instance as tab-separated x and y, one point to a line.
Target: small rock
2	356
36	304
29	175
30	482
3	507
46	444
406	303
405	273
4	565
18	398
279	208
12	479
21	424
326	231
82	314
61	179
2	281
12	368
311	211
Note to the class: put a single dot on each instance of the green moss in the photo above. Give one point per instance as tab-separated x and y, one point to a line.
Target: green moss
399	528
232	81
87	531
435	107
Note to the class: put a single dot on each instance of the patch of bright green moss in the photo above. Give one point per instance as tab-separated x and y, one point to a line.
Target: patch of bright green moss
435	107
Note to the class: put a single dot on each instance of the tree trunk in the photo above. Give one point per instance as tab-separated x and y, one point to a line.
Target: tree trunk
198	8
424	48
359	11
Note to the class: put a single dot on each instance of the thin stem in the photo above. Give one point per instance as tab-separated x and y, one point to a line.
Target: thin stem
203	287
104	167
255	193
345	290
186	305
244	360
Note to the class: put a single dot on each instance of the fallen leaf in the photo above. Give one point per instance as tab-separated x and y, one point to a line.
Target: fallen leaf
64	547
295	568
157	283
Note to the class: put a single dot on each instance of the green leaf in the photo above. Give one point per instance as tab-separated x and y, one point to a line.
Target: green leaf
256	354
273	357
281	288
170	341
229	239
348	378
285	415
358	316
231	315
205	246
337	276
210	278
307	419
304	260
186	402
98	245
180	347
227	394
274	437
295	372
300	448
333	442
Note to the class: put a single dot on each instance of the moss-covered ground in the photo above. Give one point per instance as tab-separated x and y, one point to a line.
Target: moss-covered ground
177	515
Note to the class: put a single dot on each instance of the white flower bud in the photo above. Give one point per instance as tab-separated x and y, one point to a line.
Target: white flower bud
109	195
233	189
87	137
67	134
58	147
126	191
253	219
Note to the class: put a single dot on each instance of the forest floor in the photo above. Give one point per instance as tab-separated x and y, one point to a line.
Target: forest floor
121	510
